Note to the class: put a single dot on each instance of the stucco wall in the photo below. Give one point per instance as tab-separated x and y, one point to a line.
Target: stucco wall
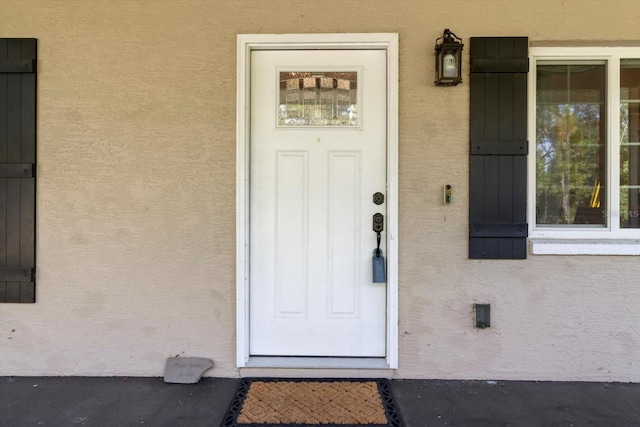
136	195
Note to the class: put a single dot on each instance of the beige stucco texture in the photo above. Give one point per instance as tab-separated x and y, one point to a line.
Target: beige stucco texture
136	194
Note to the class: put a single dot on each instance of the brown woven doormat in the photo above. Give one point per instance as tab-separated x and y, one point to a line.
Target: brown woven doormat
312	402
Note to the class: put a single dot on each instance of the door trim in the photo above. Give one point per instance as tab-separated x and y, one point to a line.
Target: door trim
249	42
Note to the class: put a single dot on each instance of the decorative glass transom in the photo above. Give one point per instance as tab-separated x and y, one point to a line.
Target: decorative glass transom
309	98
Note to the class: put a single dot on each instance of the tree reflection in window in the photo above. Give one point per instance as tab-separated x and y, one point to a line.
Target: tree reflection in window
570	144
629	143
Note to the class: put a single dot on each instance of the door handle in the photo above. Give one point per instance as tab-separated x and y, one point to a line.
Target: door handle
378	227
379	274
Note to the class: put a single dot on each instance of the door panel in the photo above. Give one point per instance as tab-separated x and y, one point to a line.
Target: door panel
311	242
344	233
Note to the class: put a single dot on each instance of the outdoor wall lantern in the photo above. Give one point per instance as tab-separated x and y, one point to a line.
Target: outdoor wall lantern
448	59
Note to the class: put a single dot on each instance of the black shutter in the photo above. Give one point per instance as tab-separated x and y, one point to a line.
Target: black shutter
498	150
17	169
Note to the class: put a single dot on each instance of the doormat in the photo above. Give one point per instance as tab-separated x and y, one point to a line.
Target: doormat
264	402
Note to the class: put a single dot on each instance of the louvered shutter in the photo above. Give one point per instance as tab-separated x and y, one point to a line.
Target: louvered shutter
17	169
498	148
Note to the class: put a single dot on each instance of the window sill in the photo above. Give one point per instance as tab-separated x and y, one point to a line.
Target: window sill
585	247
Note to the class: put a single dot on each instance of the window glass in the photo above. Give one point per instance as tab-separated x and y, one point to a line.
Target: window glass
629	143
310	98
570	144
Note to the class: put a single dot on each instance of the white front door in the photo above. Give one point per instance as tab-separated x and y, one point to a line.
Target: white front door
317	157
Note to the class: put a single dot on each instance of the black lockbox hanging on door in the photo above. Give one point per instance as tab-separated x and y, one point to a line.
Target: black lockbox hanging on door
379	275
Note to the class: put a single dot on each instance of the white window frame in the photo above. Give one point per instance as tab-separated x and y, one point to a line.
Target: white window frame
576	240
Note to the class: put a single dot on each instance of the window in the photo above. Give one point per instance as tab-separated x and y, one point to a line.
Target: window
629	143
318	98
584	136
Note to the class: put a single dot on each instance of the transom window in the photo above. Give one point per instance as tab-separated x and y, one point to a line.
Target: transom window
584	143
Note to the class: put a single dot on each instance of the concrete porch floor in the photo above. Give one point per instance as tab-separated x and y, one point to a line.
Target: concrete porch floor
118	401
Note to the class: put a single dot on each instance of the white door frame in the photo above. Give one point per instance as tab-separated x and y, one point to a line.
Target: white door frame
245	44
